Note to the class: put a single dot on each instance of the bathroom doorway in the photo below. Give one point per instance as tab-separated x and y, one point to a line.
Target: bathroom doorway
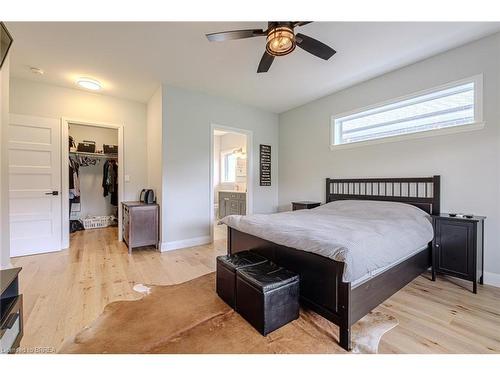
230	186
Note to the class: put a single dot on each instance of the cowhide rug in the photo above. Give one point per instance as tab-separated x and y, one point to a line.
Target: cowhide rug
191	318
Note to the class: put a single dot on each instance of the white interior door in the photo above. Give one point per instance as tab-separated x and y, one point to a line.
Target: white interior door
34	184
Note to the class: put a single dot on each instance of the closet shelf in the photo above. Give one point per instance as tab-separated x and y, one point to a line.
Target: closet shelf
94	155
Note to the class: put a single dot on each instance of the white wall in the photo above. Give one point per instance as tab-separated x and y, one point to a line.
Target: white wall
186	148
233	140
38	99
154	134
4	172
468	162
91	192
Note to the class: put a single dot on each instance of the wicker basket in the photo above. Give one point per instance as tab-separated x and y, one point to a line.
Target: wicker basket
93	222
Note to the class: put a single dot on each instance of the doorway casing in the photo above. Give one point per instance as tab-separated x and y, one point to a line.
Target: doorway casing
249	181
65	172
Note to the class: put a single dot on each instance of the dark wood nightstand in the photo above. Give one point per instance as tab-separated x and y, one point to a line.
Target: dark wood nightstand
458	247
304	205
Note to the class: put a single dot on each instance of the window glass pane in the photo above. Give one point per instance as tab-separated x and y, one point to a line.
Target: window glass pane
444	108
230	167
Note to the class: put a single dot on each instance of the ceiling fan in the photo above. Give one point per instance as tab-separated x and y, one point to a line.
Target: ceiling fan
281	40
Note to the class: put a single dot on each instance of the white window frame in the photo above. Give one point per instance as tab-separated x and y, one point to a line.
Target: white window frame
476	125
223	166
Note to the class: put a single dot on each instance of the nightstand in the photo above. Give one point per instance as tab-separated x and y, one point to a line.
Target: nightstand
458	247
304	205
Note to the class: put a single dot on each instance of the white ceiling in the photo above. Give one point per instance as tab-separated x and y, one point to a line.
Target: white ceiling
132	59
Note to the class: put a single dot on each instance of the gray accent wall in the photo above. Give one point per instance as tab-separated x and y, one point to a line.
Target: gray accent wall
469	162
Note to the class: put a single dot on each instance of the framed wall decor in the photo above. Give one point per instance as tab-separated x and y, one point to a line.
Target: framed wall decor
265	165
5	43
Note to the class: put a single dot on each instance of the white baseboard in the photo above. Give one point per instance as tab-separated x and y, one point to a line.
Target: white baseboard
6	266
181	244
491	278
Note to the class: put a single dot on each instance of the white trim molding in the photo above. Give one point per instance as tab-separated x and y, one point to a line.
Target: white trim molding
492	279
250	170
65	122
477	123
181	244
407	137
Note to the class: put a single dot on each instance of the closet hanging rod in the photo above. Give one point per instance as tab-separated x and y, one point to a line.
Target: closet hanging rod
94	155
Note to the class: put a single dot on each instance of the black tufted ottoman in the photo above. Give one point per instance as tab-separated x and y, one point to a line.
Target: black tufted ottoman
226	272
267	296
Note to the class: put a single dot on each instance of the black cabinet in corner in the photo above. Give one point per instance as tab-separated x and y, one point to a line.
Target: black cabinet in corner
458	247
304	205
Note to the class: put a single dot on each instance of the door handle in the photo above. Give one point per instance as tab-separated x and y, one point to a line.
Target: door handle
55	192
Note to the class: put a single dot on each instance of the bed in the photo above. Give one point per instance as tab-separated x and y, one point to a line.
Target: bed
328	285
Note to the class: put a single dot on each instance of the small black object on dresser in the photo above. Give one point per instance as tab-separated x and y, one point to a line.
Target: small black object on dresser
226	273
458	247
267	296
304	205
11	311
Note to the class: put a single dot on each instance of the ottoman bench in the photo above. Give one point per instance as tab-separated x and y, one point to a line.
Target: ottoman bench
267	296
226	273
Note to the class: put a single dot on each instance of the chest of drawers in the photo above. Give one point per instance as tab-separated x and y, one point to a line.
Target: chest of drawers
140	224
232	203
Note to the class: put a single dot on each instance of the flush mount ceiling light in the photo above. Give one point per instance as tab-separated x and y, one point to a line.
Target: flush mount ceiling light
89	84
280	41
36	70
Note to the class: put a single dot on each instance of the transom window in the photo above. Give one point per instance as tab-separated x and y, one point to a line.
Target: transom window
449	106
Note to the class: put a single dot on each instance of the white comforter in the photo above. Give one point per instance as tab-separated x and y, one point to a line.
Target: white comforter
365	235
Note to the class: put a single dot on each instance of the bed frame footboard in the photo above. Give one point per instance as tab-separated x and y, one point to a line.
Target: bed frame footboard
321	285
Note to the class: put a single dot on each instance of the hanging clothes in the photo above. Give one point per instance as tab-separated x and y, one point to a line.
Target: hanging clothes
74	178
87	161
105	178
110	181
114	184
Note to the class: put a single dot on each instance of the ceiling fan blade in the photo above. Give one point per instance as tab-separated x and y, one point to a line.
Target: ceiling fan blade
314	46
235	34
301	23
265	62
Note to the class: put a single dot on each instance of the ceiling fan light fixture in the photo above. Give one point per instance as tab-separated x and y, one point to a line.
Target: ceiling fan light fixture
280	41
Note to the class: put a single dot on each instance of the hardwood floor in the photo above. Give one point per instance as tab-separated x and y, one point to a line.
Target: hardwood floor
65	291
220	232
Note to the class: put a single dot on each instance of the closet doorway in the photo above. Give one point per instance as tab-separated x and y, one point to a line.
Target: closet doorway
91	197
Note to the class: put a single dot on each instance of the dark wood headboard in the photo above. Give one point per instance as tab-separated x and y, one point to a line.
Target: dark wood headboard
422	192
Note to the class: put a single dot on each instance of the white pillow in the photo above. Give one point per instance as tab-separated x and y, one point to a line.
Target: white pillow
372	209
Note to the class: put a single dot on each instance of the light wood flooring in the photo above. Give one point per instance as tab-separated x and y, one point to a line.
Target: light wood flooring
65	291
